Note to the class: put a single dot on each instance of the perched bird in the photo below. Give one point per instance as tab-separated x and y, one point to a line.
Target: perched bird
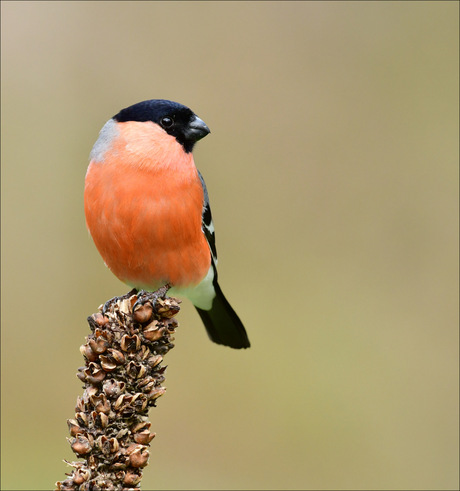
147	210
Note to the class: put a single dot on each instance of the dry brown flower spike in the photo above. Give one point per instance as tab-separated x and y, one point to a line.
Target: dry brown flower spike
122	379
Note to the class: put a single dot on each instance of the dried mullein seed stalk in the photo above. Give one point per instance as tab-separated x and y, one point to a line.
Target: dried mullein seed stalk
123	374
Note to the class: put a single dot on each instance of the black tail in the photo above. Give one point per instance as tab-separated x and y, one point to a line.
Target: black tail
222	323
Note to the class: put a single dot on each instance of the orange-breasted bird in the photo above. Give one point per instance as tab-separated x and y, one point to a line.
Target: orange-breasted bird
147	210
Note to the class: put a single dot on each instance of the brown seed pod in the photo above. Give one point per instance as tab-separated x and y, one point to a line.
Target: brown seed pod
142	371
100	403
94	373
154	360
138	456
100	319
81	374
156	393
146	381
130	343
131	478
101	420
113	388
100	345
81	475
81	445
82	419
132	369
107	363
139	402
118	356
167	307
80	406
153	333
143	313
92	390
87	352
144	437
74	427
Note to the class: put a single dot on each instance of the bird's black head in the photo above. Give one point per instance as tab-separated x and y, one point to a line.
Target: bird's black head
176	119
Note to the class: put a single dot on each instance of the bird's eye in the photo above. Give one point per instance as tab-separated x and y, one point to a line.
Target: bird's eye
166	122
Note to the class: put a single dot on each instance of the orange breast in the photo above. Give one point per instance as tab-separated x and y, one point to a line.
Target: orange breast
144	213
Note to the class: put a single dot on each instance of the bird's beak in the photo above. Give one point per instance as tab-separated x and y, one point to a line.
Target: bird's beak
196	129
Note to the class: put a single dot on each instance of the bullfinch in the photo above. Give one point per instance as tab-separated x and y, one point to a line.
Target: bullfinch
147	210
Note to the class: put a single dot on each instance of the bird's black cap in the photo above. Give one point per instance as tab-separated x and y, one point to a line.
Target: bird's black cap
176	119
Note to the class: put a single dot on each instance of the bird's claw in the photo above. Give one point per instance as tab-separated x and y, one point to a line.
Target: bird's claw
143	297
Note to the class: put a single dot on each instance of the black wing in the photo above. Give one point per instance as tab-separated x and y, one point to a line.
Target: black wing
222	323
207	223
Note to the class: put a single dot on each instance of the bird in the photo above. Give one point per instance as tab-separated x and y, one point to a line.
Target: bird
147	210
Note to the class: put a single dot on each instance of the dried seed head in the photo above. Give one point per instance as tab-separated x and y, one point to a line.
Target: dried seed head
122	377
163	349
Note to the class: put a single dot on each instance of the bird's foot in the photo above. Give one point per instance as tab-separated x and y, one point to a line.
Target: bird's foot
144	297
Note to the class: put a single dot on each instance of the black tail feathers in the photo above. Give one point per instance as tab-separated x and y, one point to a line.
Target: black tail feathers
223	324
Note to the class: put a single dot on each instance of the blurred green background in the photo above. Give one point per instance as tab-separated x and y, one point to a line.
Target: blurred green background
333	174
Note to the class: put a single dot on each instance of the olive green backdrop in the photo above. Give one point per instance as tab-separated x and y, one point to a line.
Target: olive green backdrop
332	168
